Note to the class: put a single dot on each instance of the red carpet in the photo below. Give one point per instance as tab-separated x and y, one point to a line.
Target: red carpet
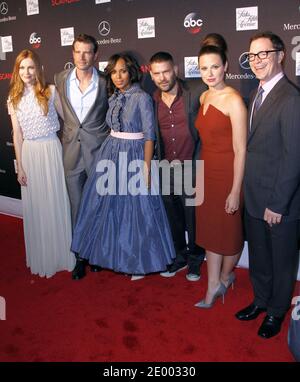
106	317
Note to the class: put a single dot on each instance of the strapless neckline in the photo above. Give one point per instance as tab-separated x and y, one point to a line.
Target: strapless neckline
212	106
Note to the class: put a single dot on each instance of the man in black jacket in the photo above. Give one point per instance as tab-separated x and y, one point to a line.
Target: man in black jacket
176	107
272	185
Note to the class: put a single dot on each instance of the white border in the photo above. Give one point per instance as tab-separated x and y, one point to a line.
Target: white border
10	206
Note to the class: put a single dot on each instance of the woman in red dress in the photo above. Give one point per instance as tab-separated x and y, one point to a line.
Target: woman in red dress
221	123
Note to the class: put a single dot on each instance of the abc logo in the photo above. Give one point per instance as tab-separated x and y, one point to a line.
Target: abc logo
34	39
193	23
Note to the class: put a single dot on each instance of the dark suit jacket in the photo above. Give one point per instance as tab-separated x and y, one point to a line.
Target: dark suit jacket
272	173
82	138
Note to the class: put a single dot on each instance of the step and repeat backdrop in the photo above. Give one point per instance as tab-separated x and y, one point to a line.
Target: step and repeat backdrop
142	27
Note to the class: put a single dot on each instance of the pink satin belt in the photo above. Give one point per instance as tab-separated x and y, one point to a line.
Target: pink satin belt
123	135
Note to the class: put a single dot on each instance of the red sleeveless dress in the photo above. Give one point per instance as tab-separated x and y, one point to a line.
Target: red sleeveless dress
217	231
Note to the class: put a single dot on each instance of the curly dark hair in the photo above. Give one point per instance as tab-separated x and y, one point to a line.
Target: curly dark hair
132	66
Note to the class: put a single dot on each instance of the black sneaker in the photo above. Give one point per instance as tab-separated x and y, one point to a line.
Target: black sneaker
172	270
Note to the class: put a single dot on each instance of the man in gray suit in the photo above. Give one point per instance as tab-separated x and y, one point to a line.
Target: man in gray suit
84	102
272	185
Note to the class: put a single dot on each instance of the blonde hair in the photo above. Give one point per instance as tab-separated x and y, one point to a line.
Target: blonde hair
41	88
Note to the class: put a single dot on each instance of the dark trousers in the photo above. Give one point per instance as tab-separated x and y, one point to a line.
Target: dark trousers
182	220
273	262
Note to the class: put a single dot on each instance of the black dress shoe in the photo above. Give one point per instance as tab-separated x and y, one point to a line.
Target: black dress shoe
249	313
79	270
270	327
95	268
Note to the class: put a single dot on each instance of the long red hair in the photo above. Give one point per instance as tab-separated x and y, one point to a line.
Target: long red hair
41	88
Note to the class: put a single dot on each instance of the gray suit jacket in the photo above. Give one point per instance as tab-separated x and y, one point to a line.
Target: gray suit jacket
272	173
82	138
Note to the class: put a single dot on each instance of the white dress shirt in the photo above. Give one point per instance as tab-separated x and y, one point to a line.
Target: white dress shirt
82	102
268	86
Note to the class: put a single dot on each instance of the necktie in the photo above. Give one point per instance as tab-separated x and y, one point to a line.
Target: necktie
257	102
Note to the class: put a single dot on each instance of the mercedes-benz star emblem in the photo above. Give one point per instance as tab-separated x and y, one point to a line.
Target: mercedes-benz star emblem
243	60
69	65
3	8
104	28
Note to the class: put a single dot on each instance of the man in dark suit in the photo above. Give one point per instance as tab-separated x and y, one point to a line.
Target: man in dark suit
272	185
176	106
83	96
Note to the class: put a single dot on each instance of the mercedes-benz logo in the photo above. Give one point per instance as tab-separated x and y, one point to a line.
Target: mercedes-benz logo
69	65
104	28
243	60
3	8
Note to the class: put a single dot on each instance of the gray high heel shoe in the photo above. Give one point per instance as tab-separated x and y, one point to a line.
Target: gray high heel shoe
230	281
219	292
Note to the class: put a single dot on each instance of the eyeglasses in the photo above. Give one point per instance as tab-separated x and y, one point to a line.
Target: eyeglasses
261	55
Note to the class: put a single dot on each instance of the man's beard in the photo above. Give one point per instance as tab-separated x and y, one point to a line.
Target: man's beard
171	85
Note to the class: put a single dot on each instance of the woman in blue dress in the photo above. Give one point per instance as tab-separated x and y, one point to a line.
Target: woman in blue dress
122	224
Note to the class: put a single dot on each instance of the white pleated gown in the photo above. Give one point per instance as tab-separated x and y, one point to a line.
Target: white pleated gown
46	207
